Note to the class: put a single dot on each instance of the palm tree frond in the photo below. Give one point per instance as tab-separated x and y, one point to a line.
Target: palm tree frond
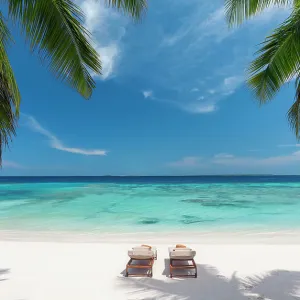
294	111
54	28
278	59
238	11
5	36
9	92
133	7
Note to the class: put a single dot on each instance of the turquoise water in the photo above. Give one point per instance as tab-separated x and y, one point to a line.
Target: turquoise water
147	204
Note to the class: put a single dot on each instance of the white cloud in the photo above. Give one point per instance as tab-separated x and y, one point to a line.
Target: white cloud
188	161
224	155
227	86
288	145
11	164
189	42
56	143
108	57
94	14
245	162
270	13
193	51
254	161
107	28
173	39
215	26
193	107
199	108
147	94
232	82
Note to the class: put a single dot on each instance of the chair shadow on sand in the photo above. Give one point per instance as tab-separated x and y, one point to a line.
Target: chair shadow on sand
3	272
275	285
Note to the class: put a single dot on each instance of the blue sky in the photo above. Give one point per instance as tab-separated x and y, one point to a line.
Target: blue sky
171	100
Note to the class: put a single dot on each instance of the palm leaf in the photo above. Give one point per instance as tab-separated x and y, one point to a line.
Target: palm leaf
134	7
239	10
278	61
54	28
9	93
294	111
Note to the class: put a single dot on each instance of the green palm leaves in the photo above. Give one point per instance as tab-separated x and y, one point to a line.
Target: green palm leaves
294	111
9	93
55	31
238	11
133	7
278	59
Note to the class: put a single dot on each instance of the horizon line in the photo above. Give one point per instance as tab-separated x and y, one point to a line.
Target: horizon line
207	175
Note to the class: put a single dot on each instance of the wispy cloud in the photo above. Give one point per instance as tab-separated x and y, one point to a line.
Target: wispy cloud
11	164
212	25
223	155
186	162
199	108
108	28
288	145
230	84
209	102
147	94
55	143
230	160
274	11
193	54
254	161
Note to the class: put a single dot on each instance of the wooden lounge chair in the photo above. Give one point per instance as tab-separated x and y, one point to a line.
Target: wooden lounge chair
141	258
182	259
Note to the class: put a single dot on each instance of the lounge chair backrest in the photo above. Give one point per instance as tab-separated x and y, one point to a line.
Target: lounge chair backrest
141	253
182	253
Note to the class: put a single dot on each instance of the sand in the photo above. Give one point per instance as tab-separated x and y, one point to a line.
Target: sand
37	267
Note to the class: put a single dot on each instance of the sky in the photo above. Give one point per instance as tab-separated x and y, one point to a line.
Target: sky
171	100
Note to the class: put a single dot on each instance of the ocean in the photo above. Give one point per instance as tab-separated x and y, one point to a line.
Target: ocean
150	204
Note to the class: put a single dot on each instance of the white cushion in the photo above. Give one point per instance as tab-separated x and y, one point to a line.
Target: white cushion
142	252
181	253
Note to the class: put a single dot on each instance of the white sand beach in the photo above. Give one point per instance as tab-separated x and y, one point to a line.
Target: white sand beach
37	268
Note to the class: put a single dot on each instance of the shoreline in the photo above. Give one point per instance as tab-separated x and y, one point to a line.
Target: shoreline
282	237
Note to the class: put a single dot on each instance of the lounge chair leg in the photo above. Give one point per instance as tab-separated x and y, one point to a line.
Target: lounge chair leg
126	274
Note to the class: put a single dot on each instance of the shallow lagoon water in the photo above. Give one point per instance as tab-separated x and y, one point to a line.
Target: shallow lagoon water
131	204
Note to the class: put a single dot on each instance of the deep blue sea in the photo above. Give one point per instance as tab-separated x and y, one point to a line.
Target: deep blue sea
131	204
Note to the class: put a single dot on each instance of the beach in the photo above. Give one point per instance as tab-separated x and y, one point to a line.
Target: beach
81	268
68	238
